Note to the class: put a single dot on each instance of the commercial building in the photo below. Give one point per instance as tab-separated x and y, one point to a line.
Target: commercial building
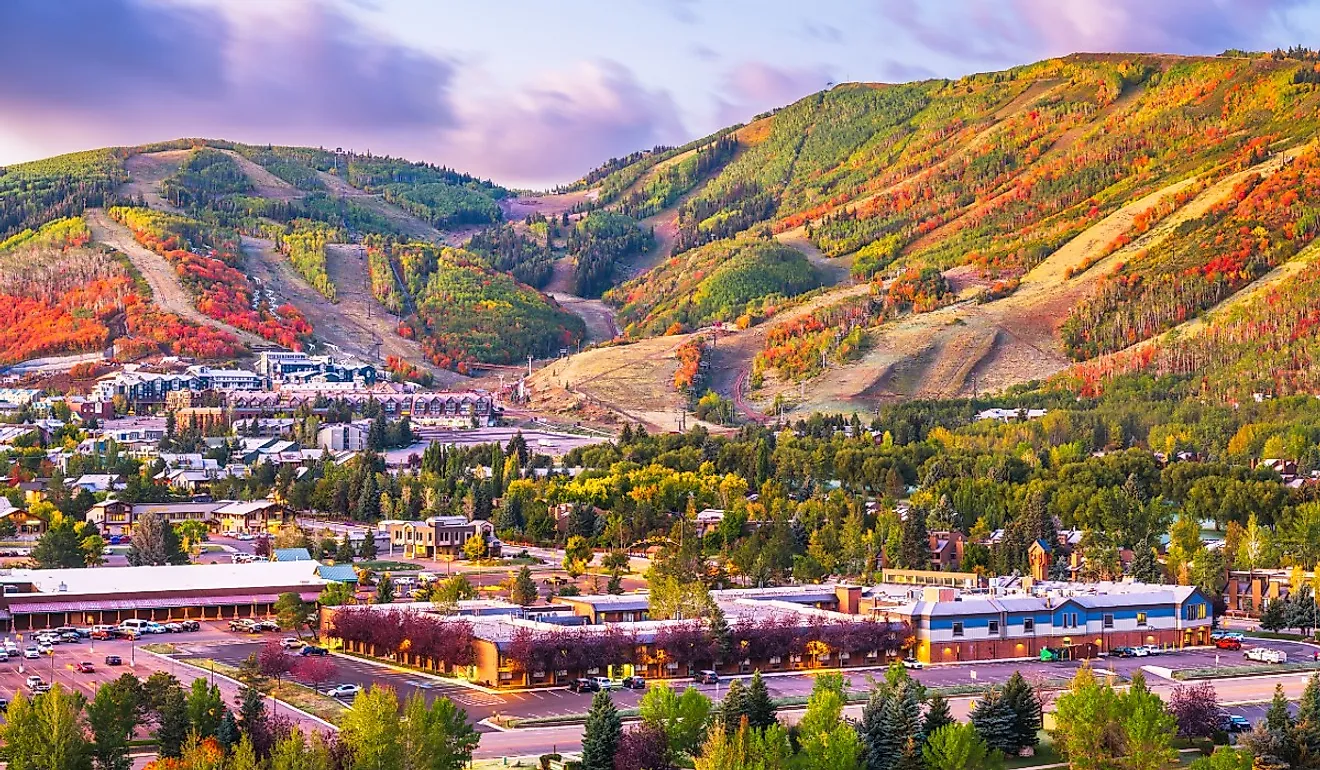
35	599
114	517
437	536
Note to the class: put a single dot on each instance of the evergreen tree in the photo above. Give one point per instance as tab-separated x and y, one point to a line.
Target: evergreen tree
601	734
1274	616
344	553
1145	568
1308	718
915	550
996	722
1278	718
385	589
524	588
615	586
937	714
760	708
205	708
890	719
112	715
368	548
1028	713
720	634
227	734
368	505
155	542
172	723
734	707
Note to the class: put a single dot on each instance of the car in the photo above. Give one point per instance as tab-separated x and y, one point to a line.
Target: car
1140	652
125	633
102	634
344	691
912	663
155	628
1122	652
47	638
4	705
634	683
45	649
1154	649
242	624
11	647
70	637
291	643
311	649
114	660
173	628
1228	643
583	685
4	656
37	689
190	625
31	653
34	680
1266	655
85	667
267	625
62	630
607	684
1235	723
706	677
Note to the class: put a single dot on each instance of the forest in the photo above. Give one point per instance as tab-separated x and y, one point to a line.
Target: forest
721	281
32	194
598	243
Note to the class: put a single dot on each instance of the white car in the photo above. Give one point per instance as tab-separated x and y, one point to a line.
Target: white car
344	691
1154	649
291	643
912	663
34	680
45	649
606	684
31	653
1140	652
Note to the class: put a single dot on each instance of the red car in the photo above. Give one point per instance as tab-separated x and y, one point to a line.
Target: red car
85	668
1228	643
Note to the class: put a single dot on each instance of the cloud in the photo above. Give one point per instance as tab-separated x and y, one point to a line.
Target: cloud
754	87
126	71
564	123
1002	32
826	33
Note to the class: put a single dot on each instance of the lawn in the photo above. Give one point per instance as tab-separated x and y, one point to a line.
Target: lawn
296	695
384	565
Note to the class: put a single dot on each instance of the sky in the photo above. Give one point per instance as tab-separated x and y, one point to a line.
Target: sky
531	93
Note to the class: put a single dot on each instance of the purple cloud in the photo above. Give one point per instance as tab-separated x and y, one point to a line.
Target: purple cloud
754	87
1003	32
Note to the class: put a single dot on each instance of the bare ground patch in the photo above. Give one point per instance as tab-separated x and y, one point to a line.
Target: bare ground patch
147	170
266	184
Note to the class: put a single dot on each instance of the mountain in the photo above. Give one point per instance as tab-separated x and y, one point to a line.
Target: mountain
215	249
1072	220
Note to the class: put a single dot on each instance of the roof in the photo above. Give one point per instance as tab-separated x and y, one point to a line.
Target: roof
291	554
611	603
96	605
340	573
243	509
241	578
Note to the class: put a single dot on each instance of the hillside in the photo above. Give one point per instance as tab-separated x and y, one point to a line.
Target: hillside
1011	226
268	246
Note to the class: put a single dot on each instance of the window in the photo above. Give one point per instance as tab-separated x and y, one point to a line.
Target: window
1028	625
1109	620
994	628
957	628
1141	618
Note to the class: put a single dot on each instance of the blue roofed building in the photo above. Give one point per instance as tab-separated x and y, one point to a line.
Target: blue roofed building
290	554
338	573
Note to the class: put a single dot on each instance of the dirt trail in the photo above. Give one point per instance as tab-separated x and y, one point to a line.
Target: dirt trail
549	204
356	324
167	292
145	173
835	271
406	223
266	184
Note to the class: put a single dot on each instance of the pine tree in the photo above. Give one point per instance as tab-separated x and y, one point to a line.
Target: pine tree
1274	616
368	548
995	721
937	714
734	707
227	734
1308	717
721	634
523	590
760	709
601	734
385	589
890	719
1278	718
1027	713
172	722
344	552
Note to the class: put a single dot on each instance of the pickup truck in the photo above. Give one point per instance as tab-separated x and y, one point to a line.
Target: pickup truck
1266	655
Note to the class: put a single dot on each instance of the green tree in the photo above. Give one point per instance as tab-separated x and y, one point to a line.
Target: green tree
601	734
524	590
956	746
155	543
683	717
436	737
172	723
206	707
1278	717
890	719
344	552
46	733
577	555
112	715
372	730
291	612
733	709
1084	717
336	594
1274	616
1224	758
937	714
385	589
368	548
760	709
745	749
995	721
669	597
1148	727
828	742
227	734
1028	713
61	545
451	591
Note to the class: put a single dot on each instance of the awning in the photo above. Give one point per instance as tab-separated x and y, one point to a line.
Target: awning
182	602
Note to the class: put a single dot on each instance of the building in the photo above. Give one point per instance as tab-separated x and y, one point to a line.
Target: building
344	437
224	380
113	517
142	388
279	367
437	536
1081	622
98	482
24	523
290	554
35	599
946	550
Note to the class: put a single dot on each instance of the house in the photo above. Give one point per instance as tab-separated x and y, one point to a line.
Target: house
1009	415
946	550
290	554
438	535
253	517
98	482
114	517
23	522
709	520
25	435
344	437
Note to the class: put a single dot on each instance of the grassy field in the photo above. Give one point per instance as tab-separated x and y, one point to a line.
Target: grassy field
300	697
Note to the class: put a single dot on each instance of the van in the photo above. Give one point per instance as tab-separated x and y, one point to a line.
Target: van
135	625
